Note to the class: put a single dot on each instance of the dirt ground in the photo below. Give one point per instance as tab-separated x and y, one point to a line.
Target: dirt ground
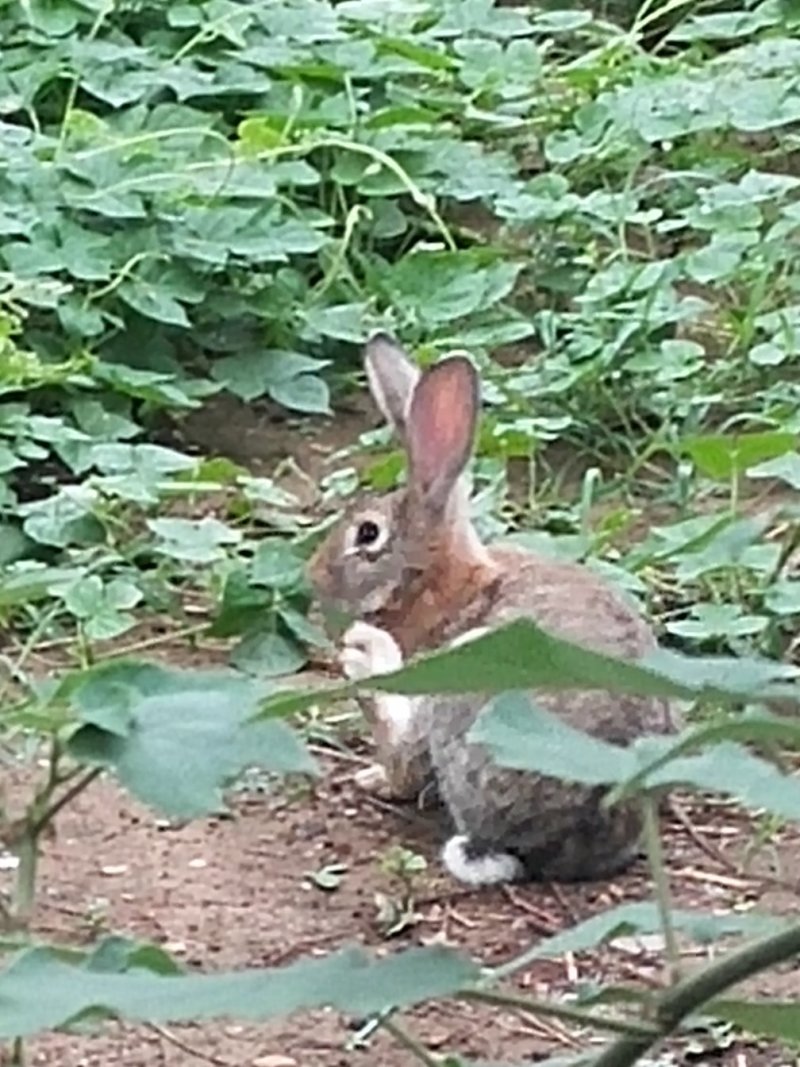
236	891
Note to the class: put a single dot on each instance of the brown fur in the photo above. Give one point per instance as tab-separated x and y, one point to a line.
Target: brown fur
420	614
429	581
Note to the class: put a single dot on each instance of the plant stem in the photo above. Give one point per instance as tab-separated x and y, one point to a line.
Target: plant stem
27	849
26	845
410	1043
788	548
693	992
41	820
658	869
566	1012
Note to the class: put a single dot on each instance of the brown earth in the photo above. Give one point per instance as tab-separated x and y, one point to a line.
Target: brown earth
235	891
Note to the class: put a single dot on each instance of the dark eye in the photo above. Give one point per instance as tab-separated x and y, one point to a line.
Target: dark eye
367	533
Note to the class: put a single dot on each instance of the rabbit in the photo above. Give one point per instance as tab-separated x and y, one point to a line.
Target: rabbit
410	568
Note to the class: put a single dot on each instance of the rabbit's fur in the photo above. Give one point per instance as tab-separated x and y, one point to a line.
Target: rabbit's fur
412	569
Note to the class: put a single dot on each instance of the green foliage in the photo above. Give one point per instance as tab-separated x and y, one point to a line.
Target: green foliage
174	738
223	196
121	981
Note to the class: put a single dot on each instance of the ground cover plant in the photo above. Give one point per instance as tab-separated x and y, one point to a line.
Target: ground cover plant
204	208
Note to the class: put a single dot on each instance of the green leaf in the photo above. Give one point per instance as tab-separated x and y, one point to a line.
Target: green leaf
783	598
626	920
530	739
767	1018
276	564
752	726
348	981
152	302
286	702
732	770
63	519
103	608
179	737
717	620
306	393
767	354
524	737
721	456
341	322
785	468
439	287
194	540
51	17
35	582
116	955
242	605
298	625
328	878
252	374
521	655
267	655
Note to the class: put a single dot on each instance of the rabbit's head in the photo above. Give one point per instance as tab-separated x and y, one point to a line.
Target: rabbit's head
395	556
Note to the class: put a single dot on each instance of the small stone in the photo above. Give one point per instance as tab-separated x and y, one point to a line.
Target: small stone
8	862
198	863
114	868
274	1059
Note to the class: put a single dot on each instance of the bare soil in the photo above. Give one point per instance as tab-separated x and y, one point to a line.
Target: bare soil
235	891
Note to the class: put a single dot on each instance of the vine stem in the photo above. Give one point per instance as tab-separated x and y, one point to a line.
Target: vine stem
77	787
565	1012
658	869
17	1053
26	845
72	95
27	849
690	994
409	1043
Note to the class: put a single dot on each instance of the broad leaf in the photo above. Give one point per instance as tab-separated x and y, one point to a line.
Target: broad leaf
644	918
767	1018
267	654
521	655
347	981
524	737
176	738
722	456
527	738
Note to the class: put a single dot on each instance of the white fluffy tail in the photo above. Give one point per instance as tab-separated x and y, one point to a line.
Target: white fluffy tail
491	868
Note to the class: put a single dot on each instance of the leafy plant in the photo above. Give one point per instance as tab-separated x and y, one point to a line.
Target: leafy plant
219	199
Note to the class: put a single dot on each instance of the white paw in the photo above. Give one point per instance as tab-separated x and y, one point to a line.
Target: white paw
373	780
368	650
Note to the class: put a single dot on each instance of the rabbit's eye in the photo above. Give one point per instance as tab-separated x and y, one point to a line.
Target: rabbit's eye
367	533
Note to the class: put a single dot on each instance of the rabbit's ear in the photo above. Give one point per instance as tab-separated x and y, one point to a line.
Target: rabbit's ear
392	376
441	428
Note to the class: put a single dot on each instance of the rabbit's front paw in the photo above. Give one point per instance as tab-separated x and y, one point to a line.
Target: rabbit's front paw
373	780
368	650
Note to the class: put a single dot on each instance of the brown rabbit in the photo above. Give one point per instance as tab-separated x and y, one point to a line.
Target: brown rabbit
411	567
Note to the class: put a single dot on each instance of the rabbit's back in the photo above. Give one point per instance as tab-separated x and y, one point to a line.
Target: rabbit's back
557	829
572	602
